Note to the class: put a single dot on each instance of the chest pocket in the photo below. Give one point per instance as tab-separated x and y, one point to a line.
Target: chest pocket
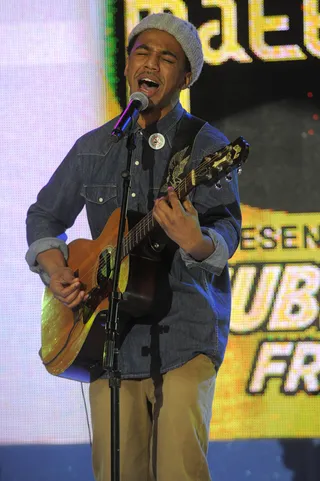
100	194
101	201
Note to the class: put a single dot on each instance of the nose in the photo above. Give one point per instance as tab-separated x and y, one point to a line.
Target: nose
152	61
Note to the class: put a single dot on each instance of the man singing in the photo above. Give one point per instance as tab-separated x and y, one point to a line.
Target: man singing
168	365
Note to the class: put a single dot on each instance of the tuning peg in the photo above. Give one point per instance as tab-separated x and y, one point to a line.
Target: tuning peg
218	186
229	177
239	170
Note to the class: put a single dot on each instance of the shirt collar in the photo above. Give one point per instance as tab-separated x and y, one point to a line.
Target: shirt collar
167	122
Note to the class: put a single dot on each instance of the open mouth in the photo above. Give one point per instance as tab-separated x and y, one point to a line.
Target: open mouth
148	86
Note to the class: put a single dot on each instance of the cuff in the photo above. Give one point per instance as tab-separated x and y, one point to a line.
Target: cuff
42	245
217	261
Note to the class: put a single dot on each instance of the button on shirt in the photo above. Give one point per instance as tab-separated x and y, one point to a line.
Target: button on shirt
90	175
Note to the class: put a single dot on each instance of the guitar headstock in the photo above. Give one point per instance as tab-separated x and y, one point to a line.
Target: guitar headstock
220	164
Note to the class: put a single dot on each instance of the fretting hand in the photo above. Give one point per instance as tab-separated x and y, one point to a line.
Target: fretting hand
181	223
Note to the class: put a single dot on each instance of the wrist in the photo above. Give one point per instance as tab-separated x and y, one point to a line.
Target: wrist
51	261
201	248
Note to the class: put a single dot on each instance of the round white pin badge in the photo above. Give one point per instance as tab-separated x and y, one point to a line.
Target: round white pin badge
157	141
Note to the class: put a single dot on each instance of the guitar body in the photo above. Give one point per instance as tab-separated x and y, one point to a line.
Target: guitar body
72	340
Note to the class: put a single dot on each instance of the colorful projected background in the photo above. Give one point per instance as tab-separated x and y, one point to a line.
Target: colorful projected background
260	80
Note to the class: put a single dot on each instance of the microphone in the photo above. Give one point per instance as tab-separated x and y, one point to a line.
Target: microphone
137	102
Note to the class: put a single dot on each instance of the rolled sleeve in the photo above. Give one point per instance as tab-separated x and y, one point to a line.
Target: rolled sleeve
218	209
217	261
42	245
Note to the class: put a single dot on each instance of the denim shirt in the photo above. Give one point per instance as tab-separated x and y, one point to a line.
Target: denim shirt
90	175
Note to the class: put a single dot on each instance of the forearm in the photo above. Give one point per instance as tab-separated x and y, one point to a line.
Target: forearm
51	260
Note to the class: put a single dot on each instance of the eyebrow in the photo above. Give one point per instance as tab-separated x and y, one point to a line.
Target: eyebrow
163	52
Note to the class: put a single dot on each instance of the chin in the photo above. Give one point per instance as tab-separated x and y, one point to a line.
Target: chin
153	105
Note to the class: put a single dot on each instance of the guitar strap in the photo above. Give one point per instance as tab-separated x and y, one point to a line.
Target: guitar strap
180	157
177	168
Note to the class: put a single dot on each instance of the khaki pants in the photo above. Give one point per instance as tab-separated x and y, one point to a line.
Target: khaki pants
164	425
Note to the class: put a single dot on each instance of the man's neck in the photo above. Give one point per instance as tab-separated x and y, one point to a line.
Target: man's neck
153	115
147	118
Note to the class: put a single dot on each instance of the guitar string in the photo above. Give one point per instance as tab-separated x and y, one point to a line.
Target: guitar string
139	228
147	223
143	225
148	219
132	237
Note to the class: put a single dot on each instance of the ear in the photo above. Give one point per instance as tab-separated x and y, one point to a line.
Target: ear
126	67
187	80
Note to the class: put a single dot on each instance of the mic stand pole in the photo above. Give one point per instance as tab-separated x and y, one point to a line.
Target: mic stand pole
111	347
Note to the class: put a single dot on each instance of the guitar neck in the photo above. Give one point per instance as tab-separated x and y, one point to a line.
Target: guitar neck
212	168
145	226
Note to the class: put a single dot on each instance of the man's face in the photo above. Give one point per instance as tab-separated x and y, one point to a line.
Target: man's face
157	67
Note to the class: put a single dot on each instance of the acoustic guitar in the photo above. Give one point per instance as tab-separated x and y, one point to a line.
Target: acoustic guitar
72	340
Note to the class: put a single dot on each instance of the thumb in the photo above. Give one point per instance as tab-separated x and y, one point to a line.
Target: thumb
63	275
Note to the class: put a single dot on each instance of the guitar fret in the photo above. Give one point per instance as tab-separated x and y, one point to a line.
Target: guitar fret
136	238
182	190
125	248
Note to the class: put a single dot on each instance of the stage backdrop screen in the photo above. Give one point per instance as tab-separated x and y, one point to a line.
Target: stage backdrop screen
62	75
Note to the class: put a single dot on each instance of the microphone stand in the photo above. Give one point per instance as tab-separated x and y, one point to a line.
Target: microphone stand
111	344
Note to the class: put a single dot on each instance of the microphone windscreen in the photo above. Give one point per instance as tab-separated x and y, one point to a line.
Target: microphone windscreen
141	97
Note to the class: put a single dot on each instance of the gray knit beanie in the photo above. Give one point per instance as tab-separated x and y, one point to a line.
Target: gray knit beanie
184	32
